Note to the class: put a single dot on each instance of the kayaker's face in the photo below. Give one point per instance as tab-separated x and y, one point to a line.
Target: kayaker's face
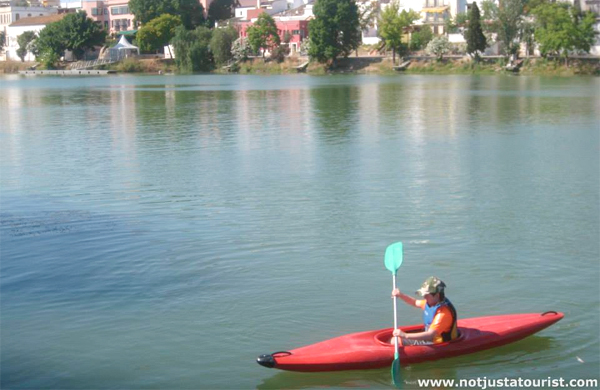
432	299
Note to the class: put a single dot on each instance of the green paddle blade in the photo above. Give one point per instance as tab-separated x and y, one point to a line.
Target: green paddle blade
393	257
396	377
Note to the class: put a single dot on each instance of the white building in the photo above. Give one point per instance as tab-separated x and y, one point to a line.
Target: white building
12	11
247	7
433	13
69	4
35	24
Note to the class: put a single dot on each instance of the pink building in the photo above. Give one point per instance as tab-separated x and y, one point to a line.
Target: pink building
113	15
296	30
291	23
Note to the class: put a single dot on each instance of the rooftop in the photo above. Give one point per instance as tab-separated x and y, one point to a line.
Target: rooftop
295	11
38	20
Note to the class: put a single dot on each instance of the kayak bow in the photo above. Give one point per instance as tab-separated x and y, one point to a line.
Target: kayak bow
372	349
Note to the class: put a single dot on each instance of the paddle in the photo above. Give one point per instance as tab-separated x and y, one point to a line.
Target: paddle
393	261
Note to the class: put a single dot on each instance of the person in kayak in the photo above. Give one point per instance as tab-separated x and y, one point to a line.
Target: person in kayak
439	315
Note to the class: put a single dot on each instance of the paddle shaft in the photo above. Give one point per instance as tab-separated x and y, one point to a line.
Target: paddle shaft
395	318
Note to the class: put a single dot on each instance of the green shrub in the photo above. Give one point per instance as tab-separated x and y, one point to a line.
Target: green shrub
130	65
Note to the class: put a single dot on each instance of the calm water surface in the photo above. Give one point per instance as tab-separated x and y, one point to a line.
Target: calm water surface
161	232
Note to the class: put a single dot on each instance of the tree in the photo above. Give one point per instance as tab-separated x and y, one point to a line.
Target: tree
221	10
221	44
80	33
438	47
476	41
335	30
451	25
489	18
25	42
489	9
75	32
530	5
240	49
392	24
50	44
263	33
420	38
527	35
304	47
190	12
192	52
2	40
367	15
560	29
509	15
157	33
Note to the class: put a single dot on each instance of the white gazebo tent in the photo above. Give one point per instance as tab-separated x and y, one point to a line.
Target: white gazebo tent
123	49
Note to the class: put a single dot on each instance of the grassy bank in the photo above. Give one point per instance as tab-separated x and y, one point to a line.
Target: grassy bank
263	66
537	66
14	66
134	65
383	66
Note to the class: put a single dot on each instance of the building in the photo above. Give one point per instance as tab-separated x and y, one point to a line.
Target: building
435	12
71	5
12	11
35	24
113	15
292	23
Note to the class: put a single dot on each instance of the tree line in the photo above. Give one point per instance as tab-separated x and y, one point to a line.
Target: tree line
78	33
556	28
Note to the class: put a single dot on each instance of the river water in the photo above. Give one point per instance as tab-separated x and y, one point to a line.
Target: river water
163	231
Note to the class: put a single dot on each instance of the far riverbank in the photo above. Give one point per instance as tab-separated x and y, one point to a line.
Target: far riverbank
385	66
362	65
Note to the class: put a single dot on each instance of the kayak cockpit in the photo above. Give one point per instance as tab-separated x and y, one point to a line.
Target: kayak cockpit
385	337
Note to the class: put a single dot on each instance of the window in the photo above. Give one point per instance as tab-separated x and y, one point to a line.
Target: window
295	32
105	11
119	10
94	11
106	25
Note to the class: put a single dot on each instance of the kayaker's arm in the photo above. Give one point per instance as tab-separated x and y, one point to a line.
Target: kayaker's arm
425	336
406	298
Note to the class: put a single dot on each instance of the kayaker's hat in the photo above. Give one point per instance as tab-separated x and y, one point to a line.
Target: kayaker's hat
432	285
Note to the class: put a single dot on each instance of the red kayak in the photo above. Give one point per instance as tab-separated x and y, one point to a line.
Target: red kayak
372	349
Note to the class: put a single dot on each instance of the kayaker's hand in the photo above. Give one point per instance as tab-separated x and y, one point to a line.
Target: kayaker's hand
398	333
396	293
